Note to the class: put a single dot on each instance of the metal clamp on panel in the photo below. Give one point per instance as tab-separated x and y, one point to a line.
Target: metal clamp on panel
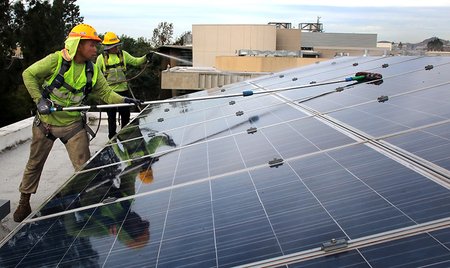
251	130
334	244
276	162
383	98
109	200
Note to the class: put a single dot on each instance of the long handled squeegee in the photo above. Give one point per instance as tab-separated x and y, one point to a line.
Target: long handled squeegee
360	77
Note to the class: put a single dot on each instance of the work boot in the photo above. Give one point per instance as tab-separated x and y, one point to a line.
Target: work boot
23	209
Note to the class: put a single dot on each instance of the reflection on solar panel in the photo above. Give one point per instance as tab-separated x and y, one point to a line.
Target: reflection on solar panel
355	175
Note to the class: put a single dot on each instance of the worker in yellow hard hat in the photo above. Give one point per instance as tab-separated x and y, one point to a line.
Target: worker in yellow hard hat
63	78
114	62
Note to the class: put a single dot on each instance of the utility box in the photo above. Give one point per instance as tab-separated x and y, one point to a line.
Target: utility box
5	208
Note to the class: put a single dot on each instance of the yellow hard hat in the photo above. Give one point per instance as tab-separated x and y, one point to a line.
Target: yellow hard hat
146	176
110	39
84	31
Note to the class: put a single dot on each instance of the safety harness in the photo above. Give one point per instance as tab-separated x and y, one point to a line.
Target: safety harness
121	62
57	83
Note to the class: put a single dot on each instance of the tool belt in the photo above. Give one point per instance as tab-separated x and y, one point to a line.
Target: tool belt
45	128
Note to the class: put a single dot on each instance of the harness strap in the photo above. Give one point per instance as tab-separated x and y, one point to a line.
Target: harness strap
120	64
113	66
72	133
59	79
89	73
45	129
58	82
86	126
81	126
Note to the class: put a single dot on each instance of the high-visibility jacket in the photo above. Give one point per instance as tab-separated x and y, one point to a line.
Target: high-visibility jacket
43	72
135	146
115	68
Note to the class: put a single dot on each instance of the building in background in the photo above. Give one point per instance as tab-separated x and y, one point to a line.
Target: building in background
235	49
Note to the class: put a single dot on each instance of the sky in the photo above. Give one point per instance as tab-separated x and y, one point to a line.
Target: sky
397	21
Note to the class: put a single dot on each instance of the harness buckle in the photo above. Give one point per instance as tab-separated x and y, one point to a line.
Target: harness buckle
36	121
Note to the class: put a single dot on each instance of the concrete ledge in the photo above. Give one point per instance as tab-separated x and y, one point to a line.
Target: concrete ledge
5	208
14	134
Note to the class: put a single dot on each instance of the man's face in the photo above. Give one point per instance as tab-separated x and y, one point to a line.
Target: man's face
87	50
114	50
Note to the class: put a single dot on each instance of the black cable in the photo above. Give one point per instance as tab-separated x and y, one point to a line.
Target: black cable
98	125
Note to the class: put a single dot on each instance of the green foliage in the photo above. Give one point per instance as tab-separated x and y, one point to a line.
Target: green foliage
44	27
17	105
145	85
181	40
39	28
162	35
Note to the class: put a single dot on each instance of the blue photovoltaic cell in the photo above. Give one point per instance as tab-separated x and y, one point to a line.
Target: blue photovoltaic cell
190	186
416	251
432	144
378	119
265	213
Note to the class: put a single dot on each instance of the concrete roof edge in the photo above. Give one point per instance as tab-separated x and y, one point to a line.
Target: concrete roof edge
14	134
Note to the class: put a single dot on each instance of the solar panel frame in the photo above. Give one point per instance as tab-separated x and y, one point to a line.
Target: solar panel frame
217	201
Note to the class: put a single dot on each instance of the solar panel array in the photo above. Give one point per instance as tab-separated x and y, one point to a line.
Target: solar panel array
333	174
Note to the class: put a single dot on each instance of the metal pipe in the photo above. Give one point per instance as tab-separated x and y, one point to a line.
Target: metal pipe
244	93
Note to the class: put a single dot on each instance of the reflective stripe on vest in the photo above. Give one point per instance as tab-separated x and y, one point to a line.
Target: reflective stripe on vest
114	67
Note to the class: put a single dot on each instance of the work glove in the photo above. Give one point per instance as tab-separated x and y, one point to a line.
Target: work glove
134	101
44	105
149	56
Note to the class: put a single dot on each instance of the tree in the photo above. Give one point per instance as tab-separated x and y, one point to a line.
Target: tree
162	35
10	67
146	83
184	39
65	15
435	45
45	27
6	31
39	28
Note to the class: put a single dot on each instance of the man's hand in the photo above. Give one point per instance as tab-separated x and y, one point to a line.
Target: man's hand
149	56
134	101
44	105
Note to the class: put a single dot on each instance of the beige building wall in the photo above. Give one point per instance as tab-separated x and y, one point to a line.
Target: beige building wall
288	39
330	52
211	40
195	79
262	64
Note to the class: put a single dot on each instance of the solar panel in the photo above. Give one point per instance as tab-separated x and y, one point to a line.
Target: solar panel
309	177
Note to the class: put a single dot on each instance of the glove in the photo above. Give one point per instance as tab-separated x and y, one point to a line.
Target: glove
134	101
149	56
44	105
